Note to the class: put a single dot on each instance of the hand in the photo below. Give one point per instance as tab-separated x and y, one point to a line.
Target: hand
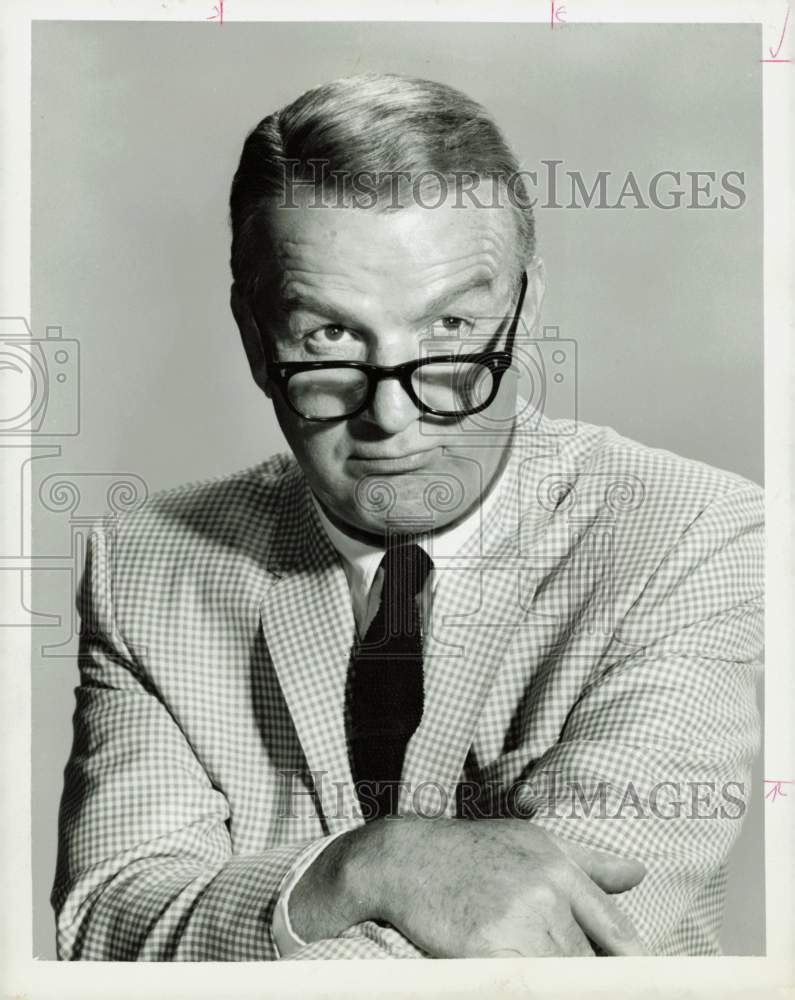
464	888
506	887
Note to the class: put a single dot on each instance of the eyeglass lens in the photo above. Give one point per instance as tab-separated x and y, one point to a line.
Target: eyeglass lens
453	388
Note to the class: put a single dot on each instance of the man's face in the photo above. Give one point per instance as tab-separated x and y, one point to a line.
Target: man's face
386	288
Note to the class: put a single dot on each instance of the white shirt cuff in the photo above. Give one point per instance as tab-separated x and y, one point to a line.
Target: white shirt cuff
285	939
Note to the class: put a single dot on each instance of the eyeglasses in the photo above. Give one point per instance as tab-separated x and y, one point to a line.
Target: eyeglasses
449	385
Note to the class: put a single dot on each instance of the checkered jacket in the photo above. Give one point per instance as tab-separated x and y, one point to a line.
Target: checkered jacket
601	632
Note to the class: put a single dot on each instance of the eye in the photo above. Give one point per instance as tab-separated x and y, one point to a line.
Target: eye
333	340
452	326
332	333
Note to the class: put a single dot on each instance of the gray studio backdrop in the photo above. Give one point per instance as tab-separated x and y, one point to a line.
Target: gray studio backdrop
137	128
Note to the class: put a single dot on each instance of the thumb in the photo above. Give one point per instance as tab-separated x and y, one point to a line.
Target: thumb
611	872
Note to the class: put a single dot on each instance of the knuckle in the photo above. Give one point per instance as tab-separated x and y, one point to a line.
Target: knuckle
559	868
543	896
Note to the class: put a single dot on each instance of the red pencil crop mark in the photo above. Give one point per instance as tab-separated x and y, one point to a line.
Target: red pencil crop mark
776	790
556	14
219	13
774	53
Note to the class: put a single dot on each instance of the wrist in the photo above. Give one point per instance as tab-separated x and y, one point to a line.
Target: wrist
361	871
401	851
340	888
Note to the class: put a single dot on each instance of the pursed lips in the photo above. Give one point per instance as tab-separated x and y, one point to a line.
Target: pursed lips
394	463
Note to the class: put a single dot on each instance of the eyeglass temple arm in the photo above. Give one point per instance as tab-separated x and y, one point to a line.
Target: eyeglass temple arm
517	314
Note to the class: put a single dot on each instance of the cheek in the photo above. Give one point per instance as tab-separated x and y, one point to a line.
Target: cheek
324	453
469	471
320	450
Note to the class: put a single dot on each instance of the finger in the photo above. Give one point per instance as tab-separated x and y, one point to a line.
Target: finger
611	872
604	923
569	937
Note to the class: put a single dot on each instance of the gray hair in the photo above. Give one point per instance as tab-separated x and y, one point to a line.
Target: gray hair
377	125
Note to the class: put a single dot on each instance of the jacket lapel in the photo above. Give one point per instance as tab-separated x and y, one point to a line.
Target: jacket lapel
480	601
309	628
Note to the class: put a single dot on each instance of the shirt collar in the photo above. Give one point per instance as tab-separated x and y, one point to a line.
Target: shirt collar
363	558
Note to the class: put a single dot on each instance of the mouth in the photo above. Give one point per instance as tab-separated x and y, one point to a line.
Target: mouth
392	465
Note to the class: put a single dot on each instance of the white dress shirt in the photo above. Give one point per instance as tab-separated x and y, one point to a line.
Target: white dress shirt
362	563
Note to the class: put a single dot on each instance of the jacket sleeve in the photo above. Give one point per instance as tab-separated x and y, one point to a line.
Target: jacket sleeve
145	865
654	761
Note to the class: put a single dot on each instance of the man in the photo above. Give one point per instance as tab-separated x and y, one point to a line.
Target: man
453	680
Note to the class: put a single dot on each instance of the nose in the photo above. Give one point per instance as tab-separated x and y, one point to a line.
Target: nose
392	410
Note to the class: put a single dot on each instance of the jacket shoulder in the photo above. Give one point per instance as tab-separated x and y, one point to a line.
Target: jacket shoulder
606	468
233	509
648	500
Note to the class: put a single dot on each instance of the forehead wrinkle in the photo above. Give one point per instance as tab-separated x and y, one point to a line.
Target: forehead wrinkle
307	265
488	253
309	252
470	269
308	262
488	267
295	287
308	268
441	288
304	256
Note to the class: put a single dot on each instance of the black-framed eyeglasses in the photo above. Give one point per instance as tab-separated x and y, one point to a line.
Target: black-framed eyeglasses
448	385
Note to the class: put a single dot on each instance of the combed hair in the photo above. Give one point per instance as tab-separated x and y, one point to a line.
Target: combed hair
376	124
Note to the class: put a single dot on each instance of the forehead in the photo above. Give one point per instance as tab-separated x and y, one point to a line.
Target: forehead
389	250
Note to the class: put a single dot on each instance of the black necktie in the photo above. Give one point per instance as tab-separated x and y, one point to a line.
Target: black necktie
386	686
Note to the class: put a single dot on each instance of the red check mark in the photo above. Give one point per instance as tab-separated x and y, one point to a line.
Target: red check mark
773	54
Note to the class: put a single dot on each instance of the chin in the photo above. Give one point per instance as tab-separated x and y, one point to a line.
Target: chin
411	504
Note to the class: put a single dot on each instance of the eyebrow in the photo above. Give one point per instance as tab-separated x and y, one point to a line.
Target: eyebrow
310	302
444	298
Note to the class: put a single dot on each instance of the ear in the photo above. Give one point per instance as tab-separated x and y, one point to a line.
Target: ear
251	336
534	296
